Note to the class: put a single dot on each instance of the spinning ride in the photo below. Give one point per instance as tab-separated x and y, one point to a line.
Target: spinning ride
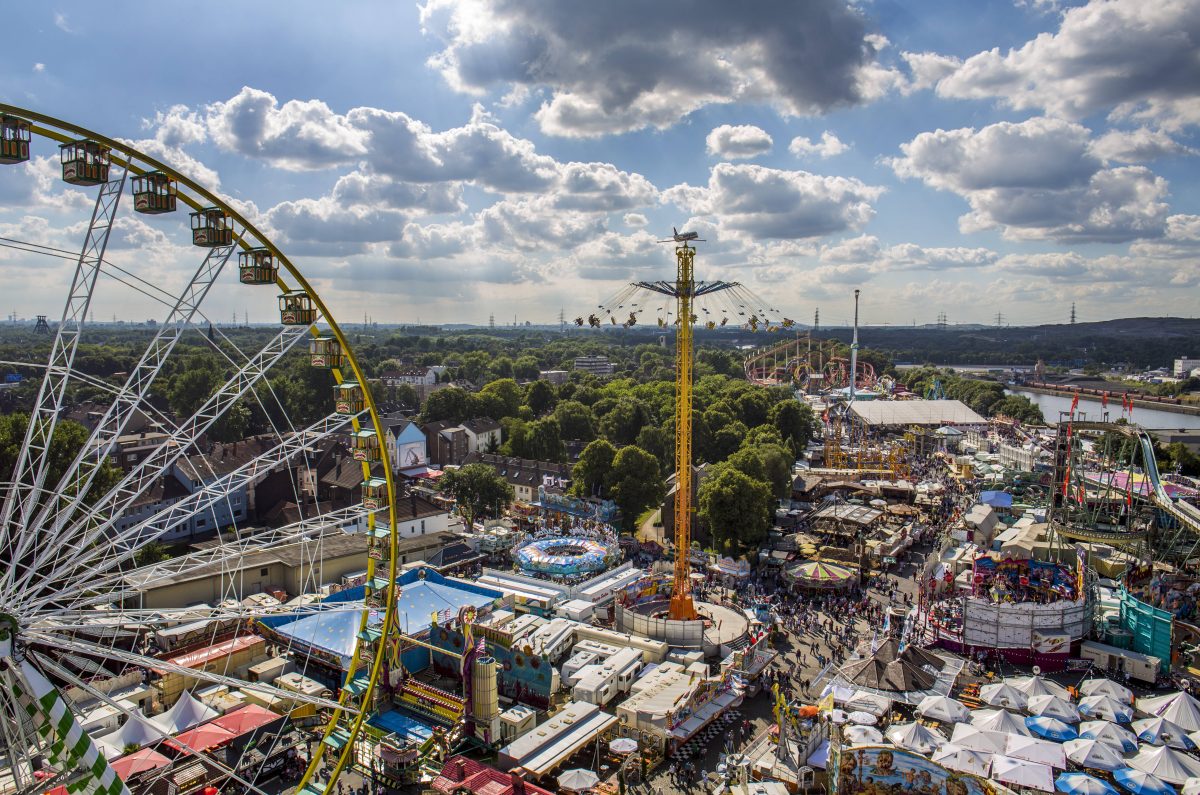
76	628
564	556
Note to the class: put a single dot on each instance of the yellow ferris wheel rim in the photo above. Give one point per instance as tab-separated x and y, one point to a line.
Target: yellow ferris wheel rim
55	129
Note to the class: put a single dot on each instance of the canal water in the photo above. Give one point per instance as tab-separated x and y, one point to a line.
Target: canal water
1155	419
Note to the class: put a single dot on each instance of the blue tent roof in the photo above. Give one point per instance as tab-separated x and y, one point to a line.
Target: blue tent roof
401	725
996	499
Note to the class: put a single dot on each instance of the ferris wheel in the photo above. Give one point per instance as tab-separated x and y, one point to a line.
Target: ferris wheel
118	673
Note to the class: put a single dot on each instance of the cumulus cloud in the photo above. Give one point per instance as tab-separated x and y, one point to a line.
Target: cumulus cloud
828	146
1137	146
635	220
626	65
733	142
760	202
927	68
867	250
1130	58
1037	179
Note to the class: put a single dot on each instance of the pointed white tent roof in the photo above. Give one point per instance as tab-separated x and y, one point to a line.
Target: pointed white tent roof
135	731
1165	763
1118	737
1179	708
1054	707
962	759
943	708
187	712
1106	707
1107	687
1095	754
916	737
1191	786
1160	731
1023	773
1038	686
999	720
976	739
1032	749
1002	694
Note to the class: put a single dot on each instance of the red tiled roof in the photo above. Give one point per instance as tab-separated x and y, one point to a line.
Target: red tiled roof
459	772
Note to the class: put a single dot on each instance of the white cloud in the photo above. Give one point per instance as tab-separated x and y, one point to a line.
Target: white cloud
60	22
635	220
927	69
1137	146
754	201
601	187
1036	180
828	146
39	67
625	65
1133	58
733	142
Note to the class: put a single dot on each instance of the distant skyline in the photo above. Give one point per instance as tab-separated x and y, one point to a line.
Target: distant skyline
454	159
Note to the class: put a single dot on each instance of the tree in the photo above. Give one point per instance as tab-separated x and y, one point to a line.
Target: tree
151	553
622	424
575	420
540	397
507	394
544	441
592	472
479	491
736	509
526	368
795	422
637	483
190	388
451	404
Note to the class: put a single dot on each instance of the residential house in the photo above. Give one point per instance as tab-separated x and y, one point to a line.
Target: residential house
483	435
596	365
446	442
524	475
405	442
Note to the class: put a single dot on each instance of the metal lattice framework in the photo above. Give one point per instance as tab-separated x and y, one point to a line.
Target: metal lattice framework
76	631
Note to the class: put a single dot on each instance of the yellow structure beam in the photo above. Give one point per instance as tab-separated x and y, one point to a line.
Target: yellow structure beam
682	607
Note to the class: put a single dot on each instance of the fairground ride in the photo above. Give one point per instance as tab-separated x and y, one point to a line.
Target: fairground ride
713	304
77	628
790	362
1112	493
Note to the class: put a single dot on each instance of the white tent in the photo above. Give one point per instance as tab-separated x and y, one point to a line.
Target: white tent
187	712
1095	754
1032	749
943	708
963	760
976	739
1179	708
136	731
1118	737
1023	773
1054	707
1191	786
863	701
1002	694
1037	686
1160	731
862	735
1106	707
1107	687
915	737
1165	763
999	720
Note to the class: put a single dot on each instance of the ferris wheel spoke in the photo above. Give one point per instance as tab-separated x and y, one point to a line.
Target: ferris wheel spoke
101	552
137	620
33	459
16	731
79	476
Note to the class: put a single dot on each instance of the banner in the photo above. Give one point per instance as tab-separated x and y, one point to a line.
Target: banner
1051	644
1081	562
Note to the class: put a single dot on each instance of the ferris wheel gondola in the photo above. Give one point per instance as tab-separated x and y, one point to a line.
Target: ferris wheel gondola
75	535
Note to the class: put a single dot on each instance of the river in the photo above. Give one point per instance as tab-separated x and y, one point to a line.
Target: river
1051	405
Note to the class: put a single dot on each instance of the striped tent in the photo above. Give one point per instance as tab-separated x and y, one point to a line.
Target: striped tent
815	574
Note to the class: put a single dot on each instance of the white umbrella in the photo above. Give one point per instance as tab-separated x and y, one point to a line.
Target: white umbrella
1002	694
1054	707
1160	731
915	737
862	735
838	716
998	720
1094	754
1107	707
1165	763
1119	737
1031	749
1179	708
1023	773
944	709
977	739
1107	687
962	759
578	780
623	745
1191	786
862	718
1038	686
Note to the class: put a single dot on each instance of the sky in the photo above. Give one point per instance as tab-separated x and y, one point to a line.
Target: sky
450	161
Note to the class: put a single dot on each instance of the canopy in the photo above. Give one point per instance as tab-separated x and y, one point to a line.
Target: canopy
1107	707
815	574
1032	749
862	735
1077	783
1191	786
1002	694
202	738
962	759
578	780
1118	737
862	718
862	701
916	737
996	499
1054	707
1165	763
1160	731
246	719
136	731
1094	754
1107	687
1023	773
1179	708
998	720
976	739
188	711
138	762
943	708
623	745
1050	728
1038	686
1140	783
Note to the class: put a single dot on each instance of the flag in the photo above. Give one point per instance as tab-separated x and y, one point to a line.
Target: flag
1104	399
826	704
1075	403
